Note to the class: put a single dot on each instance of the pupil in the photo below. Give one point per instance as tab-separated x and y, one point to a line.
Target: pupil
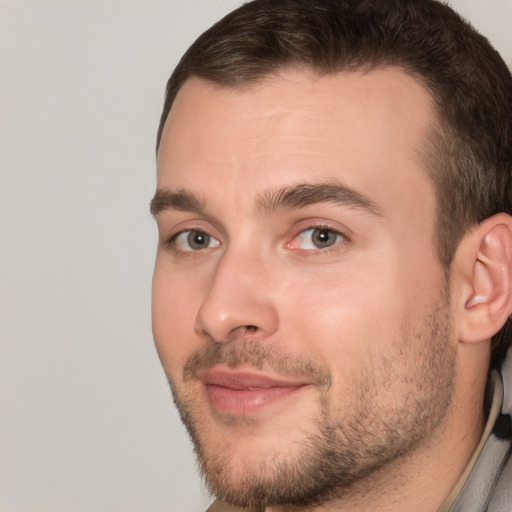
198	240
324	238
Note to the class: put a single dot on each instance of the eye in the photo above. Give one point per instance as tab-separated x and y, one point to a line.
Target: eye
194	240
316	238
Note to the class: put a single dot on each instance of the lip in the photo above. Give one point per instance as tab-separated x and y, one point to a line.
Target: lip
244	393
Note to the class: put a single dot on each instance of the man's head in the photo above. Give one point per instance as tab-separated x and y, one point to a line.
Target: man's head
329	175
468	152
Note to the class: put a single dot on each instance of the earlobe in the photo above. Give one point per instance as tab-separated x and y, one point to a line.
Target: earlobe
488	296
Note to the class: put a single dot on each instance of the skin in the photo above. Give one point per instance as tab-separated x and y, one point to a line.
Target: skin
364	330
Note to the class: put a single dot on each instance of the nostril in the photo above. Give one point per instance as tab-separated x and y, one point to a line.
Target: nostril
245	331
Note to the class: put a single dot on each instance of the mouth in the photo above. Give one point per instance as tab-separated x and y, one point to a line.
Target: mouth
244	393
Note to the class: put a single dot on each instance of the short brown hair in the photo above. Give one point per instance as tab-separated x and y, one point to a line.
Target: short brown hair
470	150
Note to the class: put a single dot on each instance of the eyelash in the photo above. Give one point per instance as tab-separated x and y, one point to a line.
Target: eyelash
320	250
171	242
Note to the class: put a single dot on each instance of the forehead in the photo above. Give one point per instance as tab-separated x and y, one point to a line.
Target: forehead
366	129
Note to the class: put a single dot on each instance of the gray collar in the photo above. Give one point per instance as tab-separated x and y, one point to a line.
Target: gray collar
485	485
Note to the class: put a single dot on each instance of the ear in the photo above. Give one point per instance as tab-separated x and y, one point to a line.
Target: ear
484	264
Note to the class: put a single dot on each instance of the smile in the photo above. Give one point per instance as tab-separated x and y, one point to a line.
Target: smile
243	393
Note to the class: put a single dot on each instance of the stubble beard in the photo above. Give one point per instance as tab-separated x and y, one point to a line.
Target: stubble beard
345	447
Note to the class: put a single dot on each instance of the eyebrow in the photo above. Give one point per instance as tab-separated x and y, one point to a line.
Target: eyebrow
307	194
281	199
181	200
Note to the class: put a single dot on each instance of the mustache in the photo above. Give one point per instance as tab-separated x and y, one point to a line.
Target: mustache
261	357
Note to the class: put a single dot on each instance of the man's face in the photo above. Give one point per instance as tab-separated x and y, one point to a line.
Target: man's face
299	308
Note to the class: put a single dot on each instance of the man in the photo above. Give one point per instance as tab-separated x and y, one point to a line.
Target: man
333	279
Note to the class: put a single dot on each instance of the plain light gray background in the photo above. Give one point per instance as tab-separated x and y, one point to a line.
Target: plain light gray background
86	421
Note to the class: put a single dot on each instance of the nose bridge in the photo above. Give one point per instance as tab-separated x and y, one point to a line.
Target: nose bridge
239	296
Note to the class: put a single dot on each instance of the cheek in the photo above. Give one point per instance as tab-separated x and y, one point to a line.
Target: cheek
348	316
173	318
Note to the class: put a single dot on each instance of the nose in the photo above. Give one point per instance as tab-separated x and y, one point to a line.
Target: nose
238	302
